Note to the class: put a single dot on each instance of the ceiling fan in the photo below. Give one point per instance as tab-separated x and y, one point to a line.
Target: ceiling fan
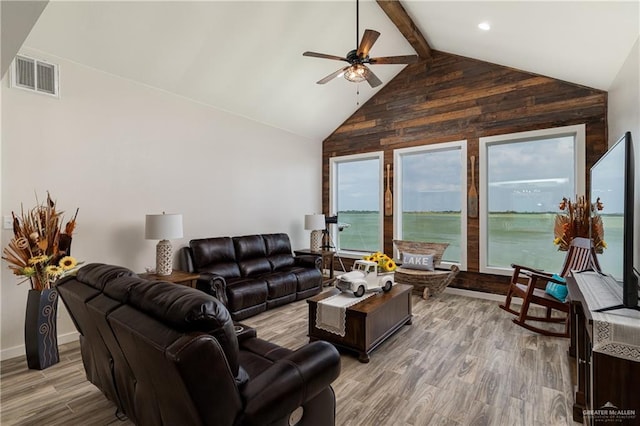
357	71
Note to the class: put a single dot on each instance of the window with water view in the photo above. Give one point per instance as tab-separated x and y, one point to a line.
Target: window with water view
525	181
430	196
356	197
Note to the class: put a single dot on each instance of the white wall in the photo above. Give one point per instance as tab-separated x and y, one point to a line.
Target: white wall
623	116
624	99
119	150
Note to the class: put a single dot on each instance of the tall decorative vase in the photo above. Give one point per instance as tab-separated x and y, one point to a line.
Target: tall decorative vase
40	331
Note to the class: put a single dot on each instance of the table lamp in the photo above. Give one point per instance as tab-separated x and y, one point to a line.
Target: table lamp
315	224
163	227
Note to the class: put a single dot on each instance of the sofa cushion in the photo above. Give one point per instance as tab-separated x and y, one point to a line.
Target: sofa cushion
254	267
306	278
215	255
251	255
280	284
243	293
278	250
279	261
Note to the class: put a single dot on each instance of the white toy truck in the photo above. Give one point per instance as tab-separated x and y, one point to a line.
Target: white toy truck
363	277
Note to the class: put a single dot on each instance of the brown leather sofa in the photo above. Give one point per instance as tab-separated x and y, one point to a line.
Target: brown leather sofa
167	354
252	273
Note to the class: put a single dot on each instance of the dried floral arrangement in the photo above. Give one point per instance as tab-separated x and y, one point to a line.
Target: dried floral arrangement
385	263
576	220
39	249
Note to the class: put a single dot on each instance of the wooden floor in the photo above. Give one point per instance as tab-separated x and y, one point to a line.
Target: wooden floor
461	362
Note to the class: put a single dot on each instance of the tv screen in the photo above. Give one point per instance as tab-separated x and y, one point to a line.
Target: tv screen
612	180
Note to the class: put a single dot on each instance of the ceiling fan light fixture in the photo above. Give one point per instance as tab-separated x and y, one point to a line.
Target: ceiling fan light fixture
356	73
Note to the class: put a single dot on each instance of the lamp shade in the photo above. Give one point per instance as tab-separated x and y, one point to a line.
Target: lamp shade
163	226
313	222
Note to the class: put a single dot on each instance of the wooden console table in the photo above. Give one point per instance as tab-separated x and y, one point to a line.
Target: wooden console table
608	372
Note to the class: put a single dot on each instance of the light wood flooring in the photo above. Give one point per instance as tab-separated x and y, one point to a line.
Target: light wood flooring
461	362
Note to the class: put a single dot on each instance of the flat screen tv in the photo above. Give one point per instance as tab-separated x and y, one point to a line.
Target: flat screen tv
612	180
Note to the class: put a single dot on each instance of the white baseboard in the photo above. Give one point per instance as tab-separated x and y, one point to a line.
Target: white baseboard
17	351
481	295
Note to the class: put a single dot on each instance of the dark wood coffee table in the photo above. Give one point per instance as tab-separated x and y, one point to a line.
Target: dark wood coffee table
368	323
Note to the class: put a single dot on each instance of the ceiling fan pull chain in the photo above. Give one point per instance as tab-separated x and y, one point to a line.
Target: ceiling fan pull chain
357	94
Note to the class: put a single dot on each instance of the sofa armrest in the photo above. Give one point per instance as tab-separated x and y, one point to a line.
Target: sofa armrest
213	284
290	382
309	261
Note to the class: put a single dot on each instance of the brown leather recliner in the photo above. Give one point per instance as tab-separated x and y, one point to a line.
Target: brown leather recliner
168	354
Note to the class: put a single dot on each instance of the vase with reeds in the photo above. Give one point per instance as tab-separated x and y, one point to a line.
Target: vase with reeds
40	253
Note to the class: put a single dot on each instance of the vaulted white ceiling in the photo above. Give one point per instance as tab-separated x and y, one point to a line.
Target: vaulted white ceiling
246	57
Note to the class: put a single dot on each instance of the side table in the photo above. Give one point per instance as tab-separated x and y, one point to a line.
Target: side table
177	277
327	256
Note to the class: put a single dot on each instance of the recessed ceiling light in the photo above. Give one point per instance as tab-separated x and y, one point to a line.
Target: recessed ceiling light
484	26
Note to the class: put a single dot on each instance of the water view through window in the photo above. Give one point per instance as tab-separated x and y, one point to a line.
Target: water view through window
358	204
431	198
526	180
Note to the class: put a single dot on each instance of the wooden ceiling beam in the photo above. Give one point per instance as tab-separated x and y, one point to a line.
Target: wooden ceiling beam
402	20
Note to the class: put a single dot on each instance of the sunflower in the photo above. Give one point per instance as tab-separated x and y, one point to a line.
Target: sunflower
53	271
389	265
28	271
38	259
67	263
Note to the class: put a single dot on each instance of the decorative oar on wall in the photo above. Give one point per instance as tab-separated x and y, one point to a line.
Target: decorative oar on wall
388	196
472	199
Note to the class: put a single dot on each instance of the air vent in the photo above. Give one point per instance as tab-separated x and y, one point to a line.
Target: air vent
35	75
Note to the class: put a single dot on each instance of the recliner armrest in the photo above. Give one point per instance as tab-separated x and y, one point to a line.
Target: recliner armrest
308	261
290	382
213	284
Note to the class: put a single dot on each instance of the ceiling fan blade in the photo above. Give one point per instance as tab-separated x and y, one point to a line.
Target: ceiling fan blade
333	75
369	37
372	79
324	56
407	59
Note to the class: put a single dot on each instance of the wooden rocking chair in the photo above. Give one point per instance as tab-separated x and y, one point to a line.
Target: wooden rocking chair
580	256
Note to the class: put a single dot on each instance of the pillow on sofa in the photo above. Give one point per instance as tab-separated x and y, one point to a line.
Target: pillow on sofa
557	291
422	262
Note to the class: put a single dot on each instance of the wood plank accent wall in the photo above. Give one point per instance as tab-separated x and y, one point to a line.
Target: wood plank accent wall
459	98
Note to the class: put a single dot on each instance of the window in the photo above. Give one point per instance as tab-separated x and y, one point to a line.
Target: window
356	197
430	191
523	177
